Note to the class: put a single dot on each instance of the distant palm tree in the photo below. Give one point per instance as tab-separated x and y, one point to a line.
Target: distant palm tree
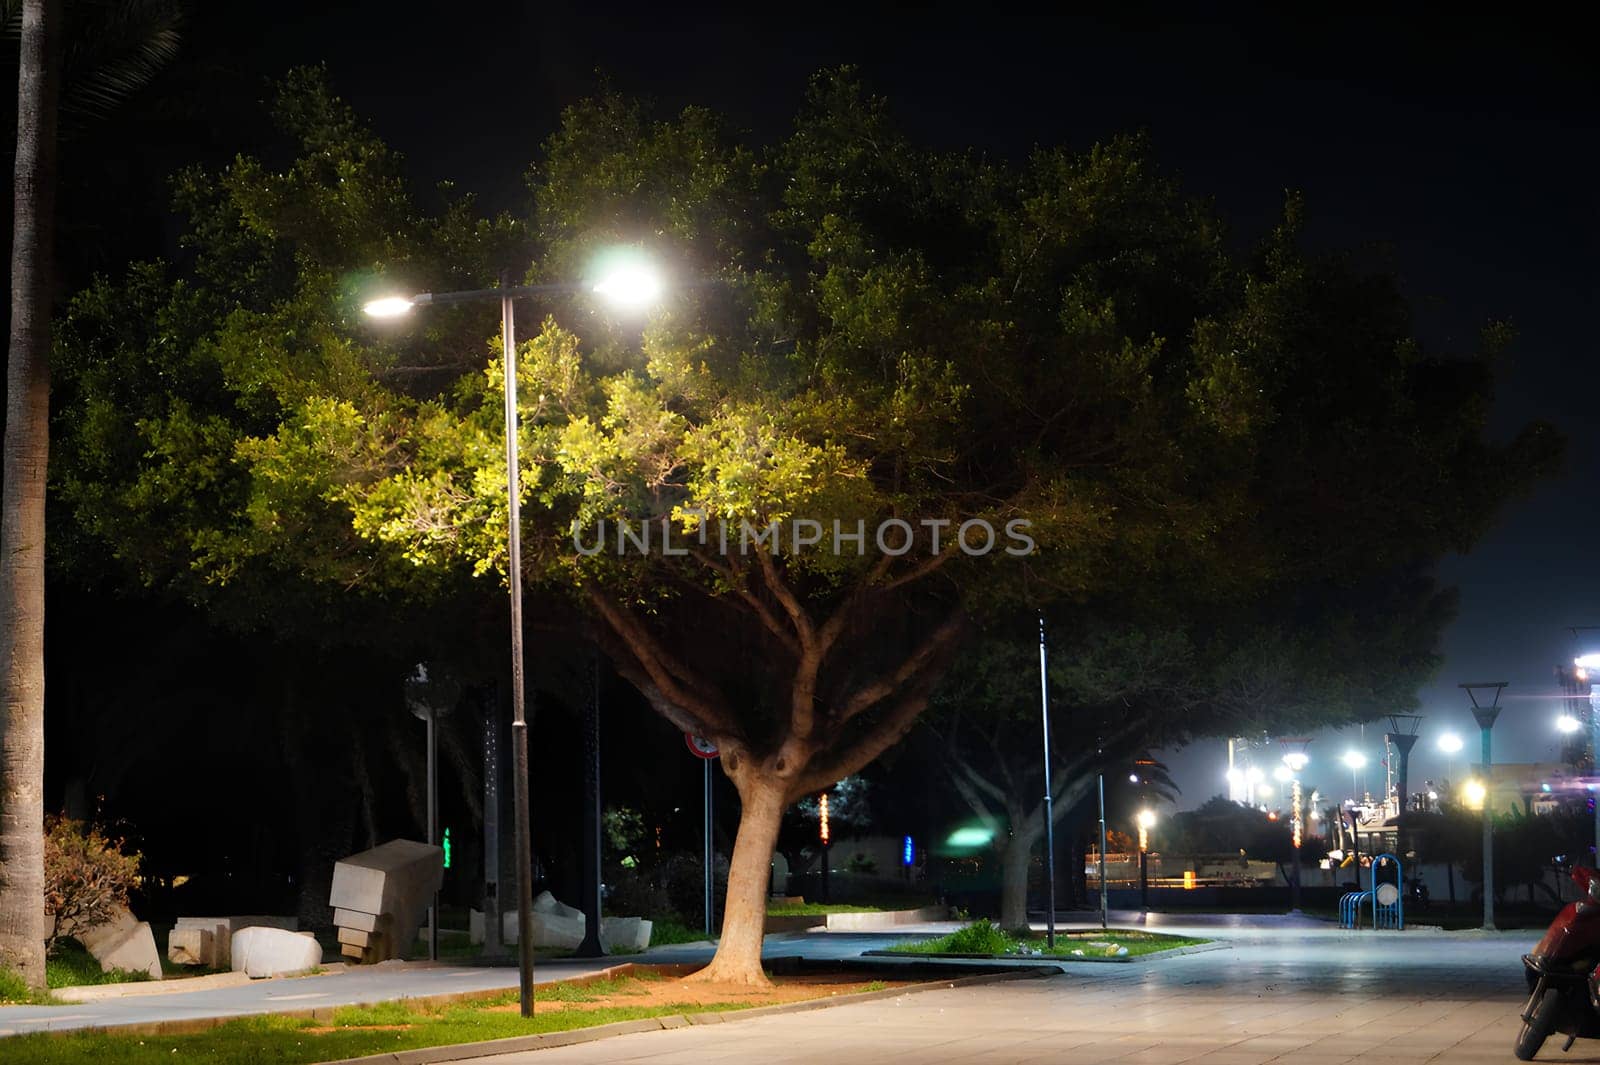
107	50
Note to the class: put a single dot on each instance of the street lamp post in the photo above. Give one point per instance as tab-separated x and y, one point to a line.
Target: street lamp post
1451	745
1146	819
1485	716
1403	738
1582	665
1295	759
1049	809
632	285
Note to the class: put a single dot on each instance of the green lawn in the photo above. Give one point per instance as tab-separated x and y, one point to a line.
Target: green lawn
353	1032
70	965
813	909
981	937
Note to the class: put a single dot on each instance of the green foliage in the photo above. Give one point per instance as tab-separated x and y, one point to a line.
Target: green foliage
665	931
979	937
87	878
14	991
70	965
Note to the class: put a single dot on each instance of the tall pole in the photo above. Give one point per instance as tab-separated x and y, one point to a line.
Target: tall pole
1049	808
1103	909
1594	759
706	860
519	718
433	832
591	947
1295	830
1485	715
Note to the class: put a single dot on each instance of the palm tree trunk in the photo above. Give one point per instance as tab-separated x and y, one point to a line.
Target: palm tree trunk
26	454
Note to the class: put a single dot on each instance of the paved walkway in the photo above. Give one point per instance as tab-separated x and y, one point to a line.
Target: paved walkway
1287	991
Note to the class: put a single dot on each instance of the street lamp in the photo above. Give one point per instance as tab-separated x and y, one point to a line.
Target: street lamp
1583	663
1568	724
629	284
1146	819
1355	761
1485	714
1295	759
1451	745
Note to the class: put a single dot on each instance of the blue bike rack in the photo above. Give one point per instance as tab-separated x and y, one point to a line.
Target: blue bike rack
1350	905
1392	914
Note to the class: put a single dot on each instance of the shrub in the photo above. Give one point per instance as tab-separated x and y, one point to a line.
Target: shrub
979	937
87	877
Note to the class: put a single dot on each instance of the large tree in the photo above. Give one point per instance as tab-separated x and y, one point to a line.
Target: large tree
859	331
27	449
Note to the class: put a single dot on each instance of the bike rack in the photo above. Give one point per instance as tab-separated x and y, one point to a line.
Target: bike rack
1388	914
1350	908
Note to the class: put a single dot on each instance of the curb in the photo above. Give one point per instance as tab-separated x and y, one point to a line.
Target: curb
1061	959
550	1040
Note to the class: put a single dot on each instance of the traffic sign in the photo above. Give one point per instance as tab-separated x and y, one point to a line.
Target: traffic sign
699	746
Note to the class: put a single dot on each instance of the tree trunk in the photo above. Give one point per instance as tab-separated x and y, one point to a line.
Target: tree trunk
744	914
1016	861
27	449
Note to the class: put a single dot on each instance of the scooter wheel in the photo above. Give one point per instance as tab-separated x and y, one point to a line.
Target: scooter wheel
1541	1022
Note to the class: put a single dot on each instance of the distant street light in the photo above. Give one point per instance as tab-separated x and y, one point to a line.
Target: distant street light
1588	661
1485	714
1295	759
628	283
1354	761
1146	819
1568	724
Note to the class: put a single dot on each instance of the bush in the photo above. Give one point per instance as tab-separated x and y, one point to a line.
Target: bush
979	937
87	877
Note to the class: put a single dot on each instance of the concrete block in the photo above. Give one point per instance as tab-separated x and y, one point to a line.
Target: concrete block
350	950
221	929
264	920
191	946
366	922
260	951
625	935
355	937
123	943
475	926
394	882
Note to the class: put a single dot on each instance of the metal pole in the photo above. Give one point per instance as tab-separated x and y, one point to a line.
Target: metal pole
1488	835
1594	731
519	719
493	944
591	947
433	834
707	859
1049	807
1103	918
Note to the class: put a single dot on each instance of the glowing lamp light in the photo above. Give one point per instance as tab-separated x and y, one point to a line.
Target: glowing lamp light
1568	723
388	307
1147	818
1296	761
1588	661
447	847
1133	778
908	852
1254	775
1235	776
822	806
630	286
1354	759
1450	743
1281	774
1475	793
970	837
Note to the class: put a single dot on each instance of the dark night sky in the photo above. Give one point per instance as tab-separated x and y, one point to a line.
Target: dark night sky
1463	153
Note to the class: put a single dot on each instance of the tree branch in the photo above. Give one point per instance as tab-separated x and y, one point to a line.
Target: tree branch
943	637
667	675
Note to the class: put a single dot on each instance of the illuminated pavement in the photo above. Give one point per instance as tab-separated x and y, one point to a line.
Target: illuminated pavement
1289	990
1284	991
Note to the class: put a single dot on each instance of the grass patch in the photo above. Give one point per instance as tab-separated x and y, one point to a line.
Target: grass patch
70	965
352	1032
666	931
871	905
14	991
982	937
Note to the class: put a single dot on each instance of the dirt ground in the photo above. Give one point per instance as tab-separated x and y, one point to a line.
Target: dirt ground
674	992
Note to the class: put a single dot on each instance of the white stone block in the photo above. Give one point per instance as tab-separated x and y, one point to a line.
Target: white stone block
549	930
625	935
545	902
475	926
259	951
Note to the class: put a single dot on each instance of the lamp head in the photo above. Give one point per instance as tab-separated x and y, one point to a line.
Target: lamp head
1354	759
629	283
389	306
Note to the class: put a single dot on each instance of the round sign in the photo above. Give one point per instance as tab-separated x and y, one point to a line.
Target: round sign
1387	893
699	746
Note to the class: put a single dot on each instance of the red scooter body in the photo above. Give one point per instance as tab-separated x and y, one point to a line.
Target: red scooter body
1563	981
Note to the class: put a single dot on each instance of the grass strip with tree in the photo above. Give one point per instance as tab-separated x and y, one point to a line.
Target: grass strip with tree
985	938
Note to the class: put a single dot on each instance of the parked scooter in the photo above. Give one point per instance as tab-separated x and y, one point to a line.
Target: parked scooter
1563	981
